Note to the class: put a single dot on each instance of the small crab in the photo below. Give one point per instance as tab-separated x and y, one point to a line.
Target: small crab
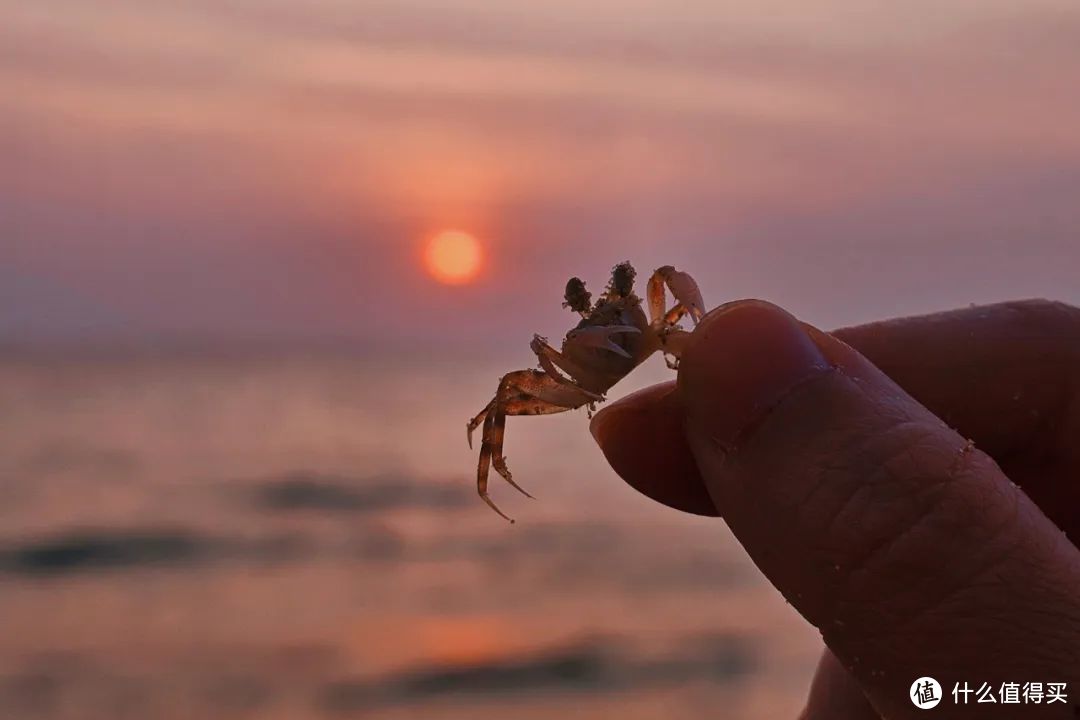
611	340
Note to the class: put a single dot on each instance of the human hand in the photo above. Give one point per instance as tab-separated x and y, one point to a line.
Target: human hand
834	460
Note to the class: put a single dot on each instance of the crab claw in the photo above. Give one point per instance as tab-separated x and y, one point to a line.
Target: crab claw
599	336
685	290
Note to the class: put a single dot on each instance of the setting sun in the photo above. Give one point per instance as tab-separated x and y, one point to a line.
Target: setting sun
453	257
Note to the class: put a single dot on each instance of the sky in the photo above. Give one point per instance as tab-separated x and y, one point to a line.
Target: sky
267	170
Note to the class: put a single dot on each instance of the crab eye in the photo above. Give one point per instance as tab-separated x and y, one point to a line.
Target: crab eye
622	279
577	297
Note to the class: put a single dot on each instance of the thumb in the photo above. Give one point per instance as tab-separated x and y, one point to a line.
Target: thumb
905	545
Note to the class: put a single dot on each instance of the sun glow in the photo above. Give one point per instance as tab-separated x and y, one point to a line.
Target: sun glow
453	257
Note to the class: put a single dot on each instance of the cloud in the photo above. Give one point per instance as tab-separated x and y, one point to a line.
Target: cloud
262	168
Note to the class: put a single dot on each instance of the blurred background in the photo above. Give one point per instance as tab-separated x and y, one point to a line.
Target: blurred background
261	259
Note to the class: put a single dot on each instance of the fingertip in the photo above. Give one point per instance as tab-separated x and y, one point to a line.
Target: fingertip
642	439
743	358
609	423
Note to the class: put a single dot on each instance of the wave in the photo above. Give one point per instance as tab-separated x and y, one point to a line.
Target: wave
91	550
587	667
307	491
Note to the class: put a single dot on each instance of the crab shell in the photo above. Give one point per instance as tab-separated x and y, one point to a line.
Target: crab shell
610	343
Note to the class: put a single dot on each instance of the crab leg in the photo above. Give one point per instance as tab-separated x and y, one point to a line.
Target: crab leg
551	360
477	421
485	465
672	342
498	430
527	404
524	392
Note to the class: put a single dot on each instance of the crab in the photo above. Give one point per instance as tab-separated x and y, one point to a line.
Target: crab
612	338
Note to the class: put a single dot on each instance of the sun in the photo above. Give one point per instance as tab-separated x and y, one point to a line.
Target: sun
453	257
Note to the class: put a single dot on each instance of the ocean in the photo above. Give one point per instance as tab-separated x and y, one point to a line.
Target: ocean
197	534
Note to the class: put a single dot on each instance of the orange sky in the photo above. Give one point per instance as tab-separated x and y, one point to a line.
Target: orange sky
265	168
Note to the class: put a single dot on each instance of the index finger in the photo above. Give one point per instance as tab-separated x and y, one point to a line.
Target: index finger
1007	376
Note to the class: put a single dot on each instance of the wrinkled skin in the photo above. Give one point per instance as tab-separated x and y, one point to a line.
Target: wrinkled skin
911	487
